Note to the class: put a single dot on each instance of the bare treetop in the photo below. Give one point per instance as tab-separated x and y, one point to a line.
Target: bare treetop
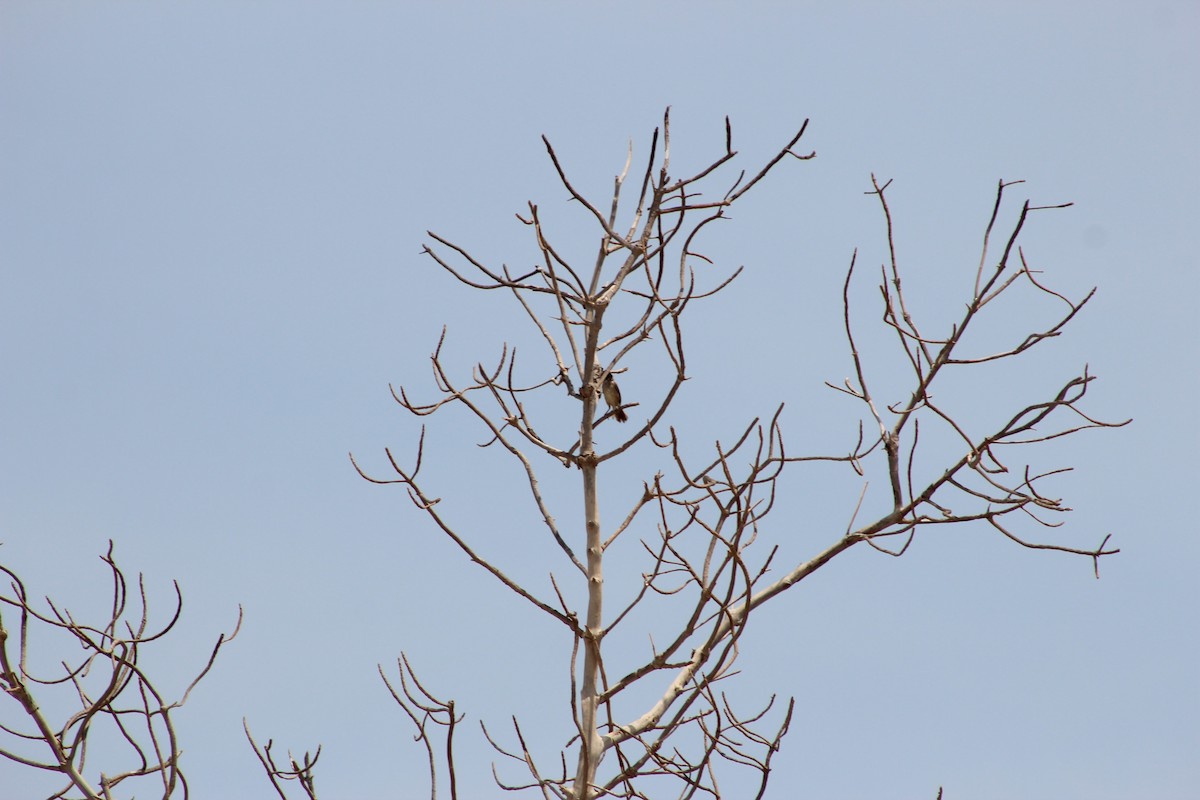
702	576
661	718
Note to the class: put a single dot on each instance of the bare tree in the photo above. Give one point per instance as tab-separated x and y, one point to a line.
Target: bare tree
702	574
111	698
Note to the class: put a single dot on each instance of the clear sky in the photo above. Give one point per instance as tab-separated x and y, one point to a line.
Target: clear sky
211	217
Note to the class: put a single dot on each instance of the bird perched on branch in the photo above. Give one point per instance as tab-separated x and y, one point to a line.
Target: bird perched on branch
612	396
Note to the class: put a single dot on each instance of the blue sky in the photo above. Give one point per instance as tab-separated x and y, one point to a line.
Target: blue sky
211	217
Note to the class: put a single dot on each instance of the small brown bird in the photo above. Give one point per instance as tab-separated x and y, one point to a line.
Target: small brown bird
612	396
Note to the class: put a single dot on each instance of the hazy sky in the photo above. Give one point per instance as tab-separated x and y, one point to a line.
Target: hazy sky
211	217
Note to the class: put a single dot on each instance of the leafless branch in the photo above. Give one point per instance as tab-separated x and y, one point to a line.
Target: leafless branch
301	770
113	694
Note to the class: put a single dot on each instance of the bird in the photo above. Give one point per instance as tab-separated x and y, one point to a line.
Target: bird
612	396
